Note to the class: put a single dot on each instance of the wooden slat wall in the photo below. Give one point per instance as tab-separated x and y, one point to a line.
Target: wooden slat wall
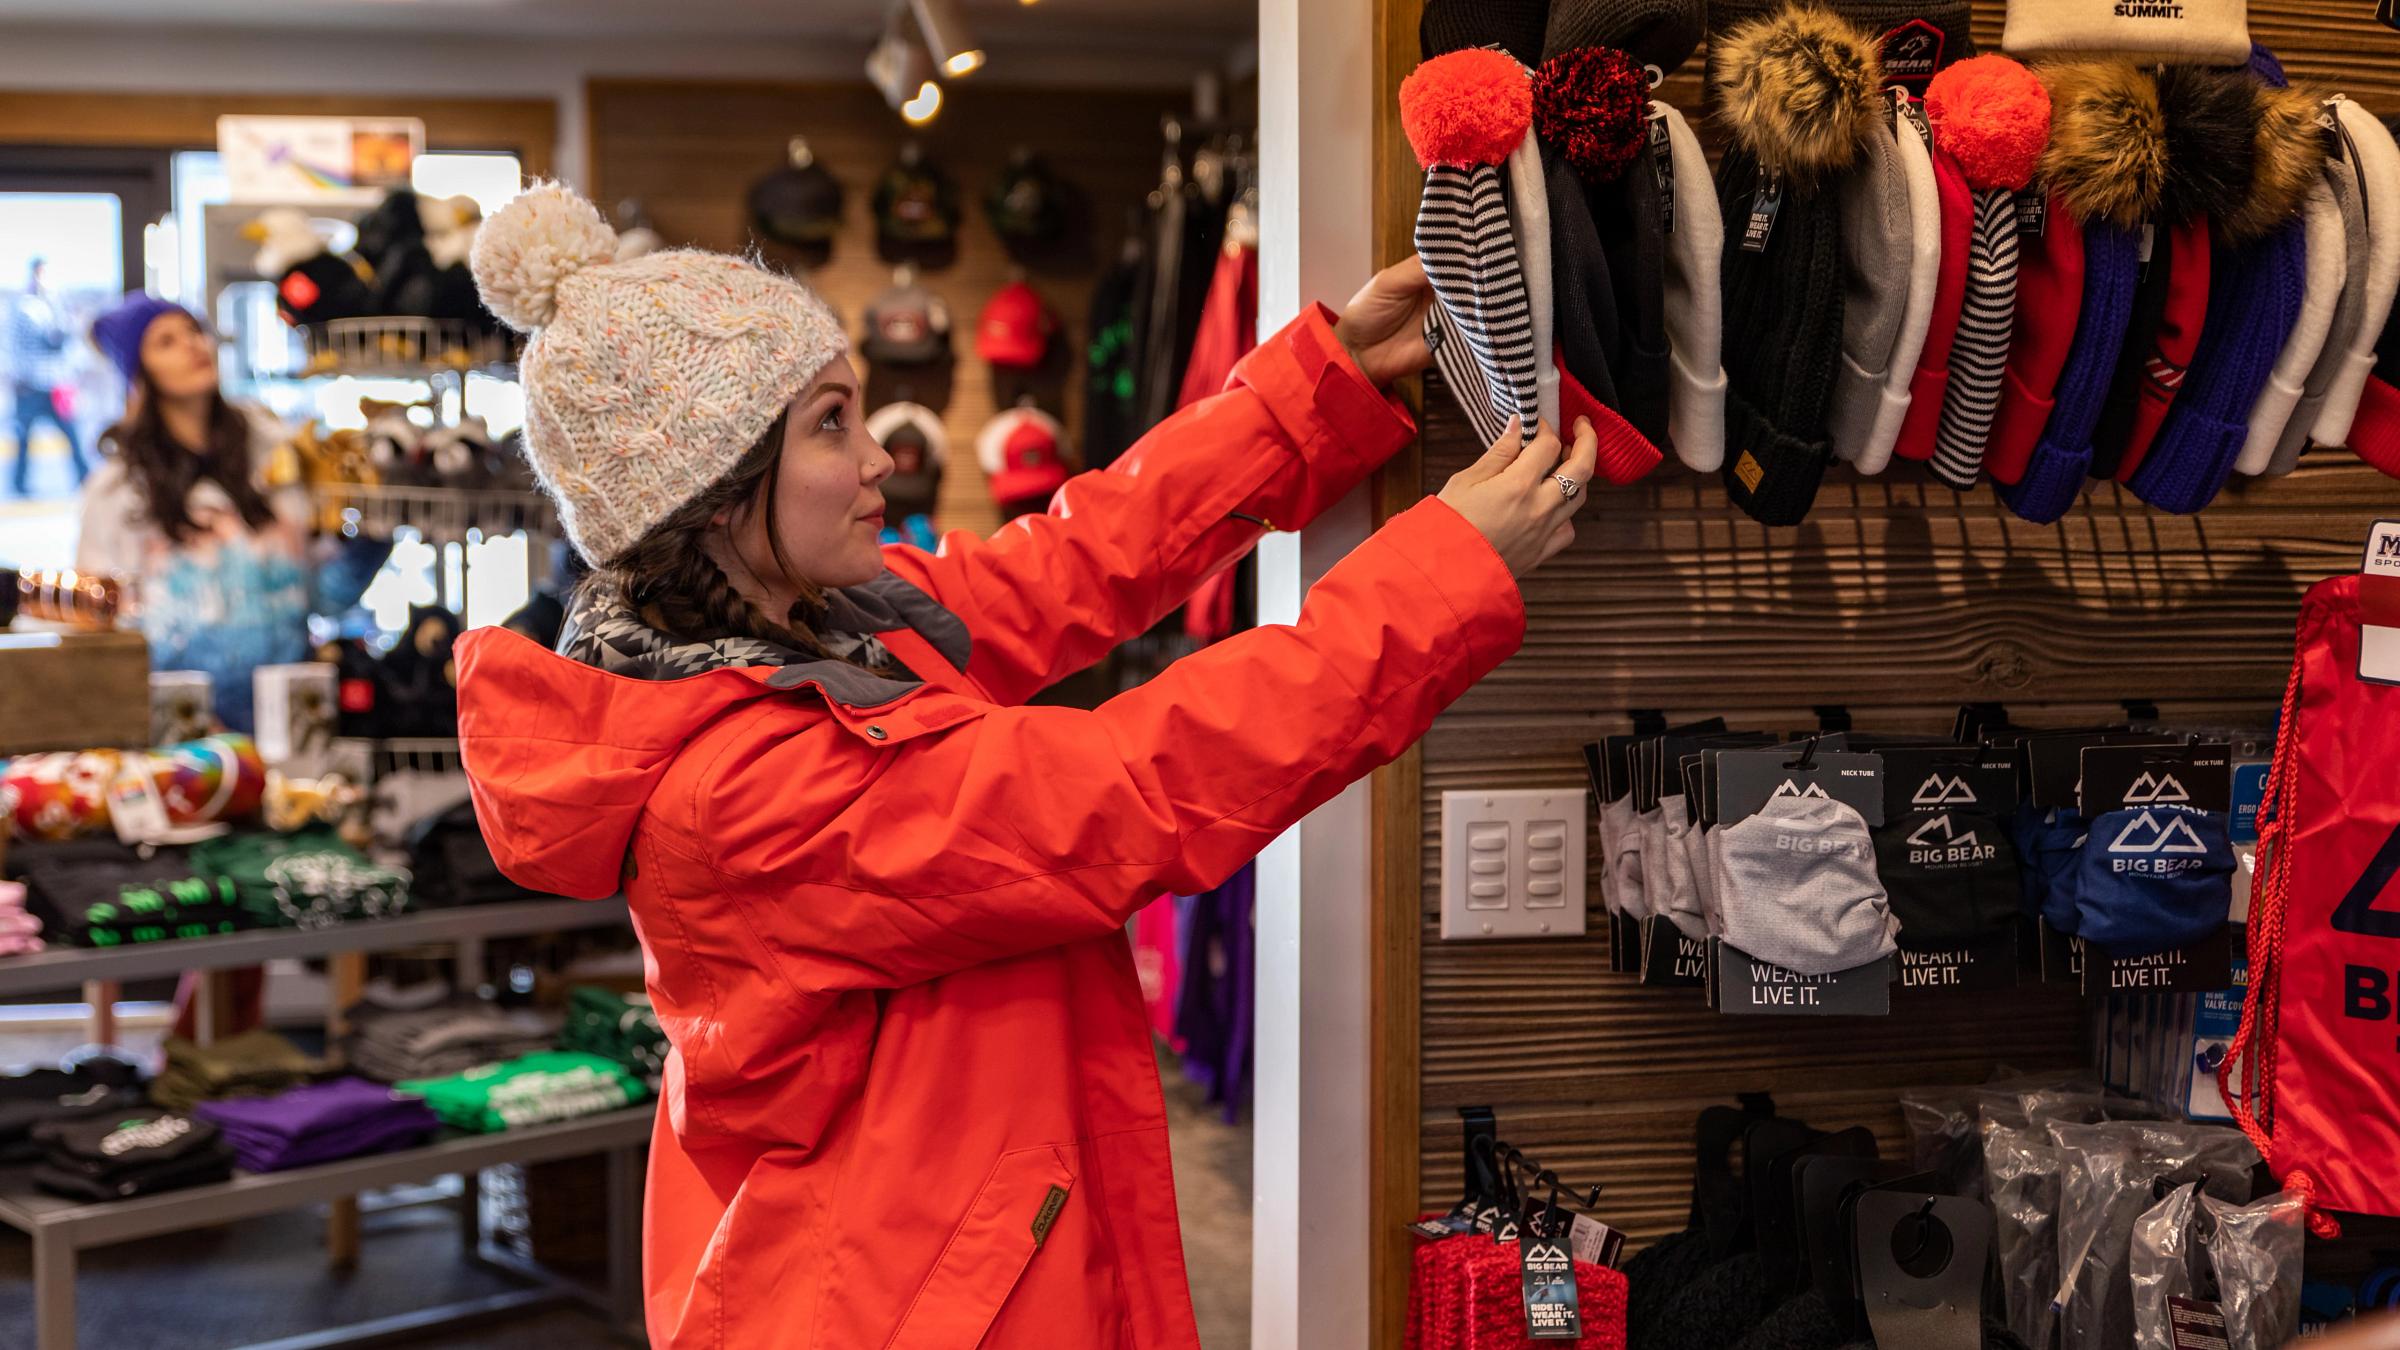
689	150
1898	599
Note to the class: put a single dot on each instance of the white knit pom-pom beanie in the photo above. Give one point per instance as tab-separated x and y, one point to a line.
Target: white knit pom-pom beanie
645	380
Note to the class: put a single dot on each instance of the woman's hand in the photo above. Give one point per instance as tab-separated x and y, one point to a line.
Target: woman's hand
1513	495
1384	324
2378	1333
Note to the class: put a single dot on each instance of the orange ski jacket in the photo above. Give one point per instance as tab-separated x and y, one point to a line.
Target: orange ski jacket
912	1100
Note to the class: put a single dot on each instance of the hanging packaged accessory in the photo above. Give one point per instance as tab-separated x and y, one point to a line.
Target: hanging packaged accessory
2313	1076
1800	881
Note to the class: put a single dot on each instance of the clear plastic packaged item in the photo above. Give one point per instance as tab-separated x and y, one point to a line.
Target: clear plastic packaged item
2255	1252
2116	1171
2165	1265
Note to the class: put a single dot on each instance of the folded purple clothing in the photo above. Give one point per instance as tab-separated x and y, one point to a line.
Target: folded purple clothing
349	1142
317	1123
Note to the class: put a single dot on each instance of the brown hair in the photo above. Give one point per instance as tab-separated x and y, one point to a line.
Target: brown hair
164	470
678	589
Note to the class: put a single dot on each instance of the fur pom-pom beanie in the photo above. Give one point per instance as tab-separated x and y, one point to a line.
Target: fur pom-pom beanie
647	380
1799	91
1992	116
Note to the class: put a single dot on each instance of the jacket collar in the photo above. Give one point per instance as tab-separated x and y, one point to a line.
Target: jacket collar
603	631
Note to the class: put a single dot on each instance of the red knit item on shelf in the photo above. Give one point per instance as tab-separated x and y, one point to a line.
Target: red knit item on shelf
1466	107
1993	116
1495	1303
1593	104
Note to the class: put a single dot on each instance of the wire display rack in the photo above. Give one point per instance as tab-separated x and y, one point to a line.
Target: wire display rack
404	346
439	514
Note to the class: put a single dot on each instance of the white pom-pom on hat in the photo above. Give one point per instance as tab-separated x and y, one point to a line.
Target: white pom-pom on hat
537	241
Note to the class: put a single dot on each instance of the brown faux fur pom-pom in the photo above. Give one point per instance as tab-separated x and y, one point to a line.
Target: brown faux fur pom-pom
1799	89
2286	159
2107	158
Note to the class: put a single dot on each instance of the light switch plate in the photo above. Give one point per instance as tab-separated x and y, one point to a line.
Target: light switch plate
1513	863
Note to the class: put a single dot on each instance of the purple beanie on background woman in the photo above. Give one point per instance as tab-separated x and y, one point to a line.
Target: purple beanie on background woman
118	333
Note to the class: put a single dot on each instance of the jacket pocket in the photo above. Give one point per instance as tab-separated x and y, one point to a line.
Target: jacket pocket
987	1253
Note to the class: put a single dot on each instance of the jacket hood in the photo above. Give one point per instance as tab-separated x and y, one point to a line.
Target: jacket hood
563	748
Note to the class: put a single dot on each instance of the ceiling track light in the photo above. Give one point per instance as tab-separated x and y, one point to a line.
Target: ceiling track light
947	37
902	71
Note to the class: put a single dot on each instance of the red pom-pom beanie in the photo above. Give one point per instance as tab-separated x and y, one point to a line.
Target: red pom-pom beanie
1466	113
1992	117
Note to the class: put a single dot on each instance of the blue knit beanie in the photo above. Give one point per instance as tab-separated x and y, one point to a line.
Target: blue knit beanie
2258	278
2112	269
2254	299
118	333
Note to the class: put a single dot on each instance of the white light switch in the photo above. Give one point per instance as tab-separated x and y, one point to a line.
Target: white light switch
1513	863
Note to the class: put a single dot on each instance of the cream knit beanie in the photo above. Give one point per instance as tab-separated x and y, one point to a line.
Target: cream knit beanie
645	380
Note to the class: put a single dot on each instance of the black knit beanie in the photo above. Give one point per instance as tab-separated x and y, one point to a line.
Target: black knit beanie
1655	1275
1916	37
1797	92
1453	25
1583	300
1803	1322
1782	345
1659	33
1714	1311
1630	217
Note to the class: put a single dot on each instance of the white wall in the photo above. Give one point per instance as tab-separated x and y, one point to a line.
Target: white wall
142	59
1310	1176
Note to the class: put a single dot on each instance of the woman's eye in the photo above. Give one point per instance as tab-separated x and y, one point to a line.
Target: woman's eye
832	421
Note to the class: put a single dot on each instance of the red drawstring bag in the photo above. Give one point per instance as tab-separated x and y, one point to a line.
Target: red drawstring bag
2313	1076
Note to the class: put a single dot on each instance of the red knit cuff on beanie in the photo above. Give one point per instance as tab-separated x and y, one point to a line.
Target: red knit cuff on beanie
1625	454
2375	432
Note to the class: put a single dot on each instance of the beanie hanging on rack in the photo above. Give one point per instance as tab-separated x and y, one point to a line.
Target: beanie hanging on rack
2211	121
2105	167
2378	161
1798	92
1590	109
2258	274
1993	117
1465	114
1694	300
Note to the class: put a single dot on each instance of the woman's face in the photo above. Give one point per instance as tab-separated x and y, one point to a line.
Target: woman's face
179	357
827	501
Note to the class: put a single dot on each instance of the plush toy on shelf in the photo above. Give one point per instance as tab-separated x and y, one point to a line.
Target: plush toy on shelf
396	445
463	456
312	283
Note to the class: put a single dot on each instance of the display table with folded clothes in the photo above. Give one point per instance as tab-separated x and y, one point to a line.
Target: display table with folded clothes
622	1028
394	1036
531	1089
97	892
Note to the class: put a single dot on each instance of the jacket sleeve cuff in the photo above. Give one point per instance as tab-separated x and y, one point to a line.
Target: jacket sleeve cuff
1343	427
1461	566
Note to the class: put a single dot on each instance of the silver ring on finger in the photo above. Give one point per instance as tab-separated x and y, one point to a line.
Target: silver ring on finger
1568	488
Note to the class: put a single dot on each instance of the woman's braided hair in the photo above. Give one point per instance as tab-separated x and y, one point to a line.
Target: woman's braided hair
678	589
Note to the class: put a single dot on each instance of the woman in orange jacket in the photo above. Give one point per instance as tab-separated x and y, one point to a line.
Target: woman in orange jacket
912	1100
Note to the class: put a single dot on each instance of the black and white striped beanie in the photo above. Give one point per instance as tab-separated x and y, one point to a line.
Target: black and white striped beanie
1467	115
1993	116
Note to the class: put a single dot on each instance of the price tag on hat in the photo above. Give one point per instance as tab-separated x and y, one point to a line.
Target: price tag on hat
2379	606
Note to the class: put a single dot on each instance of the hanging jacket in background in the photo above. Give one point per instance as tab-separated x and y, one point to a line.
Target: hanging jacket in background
1113	363
1228	330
